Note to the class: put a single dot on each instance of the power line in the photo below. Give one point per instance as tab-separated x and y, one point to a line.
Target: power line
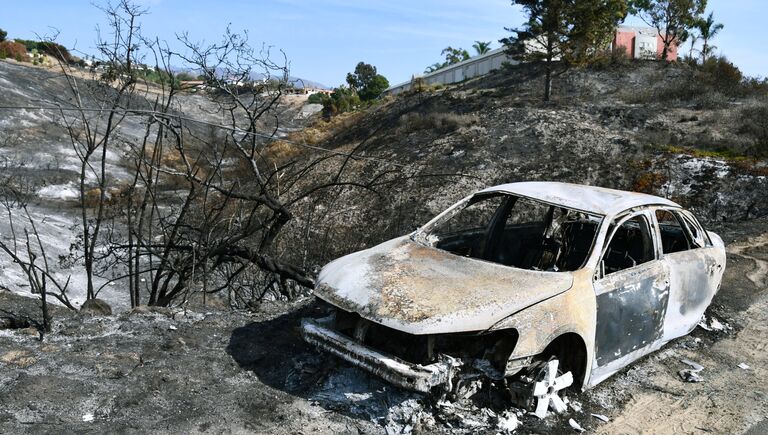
211	124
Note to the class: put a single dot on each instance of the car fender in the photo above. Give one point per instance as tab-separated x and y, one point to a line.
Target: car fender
573	311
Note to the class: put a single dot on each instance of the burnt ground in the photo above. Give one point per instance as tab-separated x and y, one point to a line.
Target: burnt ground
160	370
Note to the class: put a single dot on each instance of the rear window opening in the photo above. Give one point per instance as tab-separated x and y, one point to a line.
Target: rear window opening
516	231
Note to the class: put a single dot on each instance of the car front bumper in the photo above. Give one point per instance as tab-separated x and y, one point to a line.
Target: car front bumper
416	377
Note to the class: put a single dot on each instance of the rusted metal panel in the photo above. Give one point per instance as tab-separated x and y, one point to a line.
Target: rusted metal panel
423	290
570	312
631	305
695	276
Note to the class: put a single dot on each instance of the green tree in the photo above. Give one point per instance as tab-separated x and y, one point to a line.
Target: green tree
673	19
454	55
543	36
367	82
708	29
592	25
342	99
482	47
3	35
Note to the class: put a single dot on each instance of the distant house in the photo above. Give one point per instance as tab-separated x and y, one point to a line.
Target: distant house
642	43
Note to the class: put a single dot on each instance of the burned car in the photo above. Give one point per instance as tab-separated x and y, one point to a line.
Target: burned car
535	286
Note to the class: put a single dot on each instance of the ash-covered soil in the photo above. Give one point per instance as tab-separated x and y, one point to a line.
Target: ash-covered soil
166	370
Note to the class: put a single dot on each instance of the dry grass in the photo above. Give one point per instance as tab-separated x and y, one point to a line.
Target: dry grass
281	150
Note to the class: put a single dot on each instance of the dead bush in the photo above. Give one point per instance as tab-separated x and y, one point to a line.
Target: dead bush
754	124
649	182
13	50
609	59
440	121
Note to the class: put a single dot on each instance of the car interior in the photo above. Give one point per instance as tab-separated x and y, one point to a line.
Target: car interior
673	237
518	232
630	245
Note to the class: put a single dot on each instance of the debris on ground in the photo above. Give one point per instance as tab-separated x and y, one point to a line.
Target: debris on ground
507	422
743	366
694	365
576	426
713	324
601	417
691	374
576	406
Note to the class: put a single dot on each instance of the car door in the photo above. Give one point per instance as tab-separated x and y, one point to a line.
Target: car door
695	268
632	289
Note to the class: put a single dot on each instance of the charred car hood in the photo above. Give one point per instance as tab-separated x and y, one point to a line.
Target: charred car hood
423	290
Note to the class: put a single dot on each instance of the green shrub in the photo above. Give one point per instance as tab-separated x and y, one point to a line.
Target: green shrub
317	98
342	99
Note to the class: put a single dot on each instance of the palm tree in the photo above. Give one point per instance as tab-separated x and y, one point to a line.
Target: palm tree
482	47
708	29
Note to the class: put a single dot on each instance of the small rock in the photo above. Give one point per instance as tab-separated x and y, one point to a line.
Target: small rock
601	417
743	366
97	307
88	417
576	426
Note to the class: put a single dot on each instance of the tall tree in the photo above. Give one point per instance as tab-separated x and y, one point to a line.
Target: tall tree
542	37
482	47
672	19
367	82
593	25
708	29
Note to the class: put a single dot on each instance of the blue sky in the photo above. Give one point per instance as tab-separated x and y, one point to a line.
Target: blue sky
324	39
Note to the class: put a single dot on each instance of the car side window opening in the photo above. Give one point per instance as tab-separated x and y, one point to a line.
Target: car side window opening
630	245
518	232
673	236
699	238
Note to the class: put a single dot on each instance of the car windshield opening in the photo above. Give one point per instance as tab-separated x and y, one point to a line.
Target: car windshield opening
516	231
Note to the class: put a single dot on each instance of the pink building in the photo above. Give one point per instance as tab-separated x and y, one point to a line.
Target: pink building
642	43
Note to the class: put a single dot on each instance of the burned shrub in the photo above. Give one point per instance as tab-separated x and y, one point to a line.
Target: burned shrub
13	50
440	121
754	124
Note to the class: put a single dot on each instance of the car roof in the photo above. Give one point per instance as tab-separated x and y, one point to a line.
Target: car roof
607	202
